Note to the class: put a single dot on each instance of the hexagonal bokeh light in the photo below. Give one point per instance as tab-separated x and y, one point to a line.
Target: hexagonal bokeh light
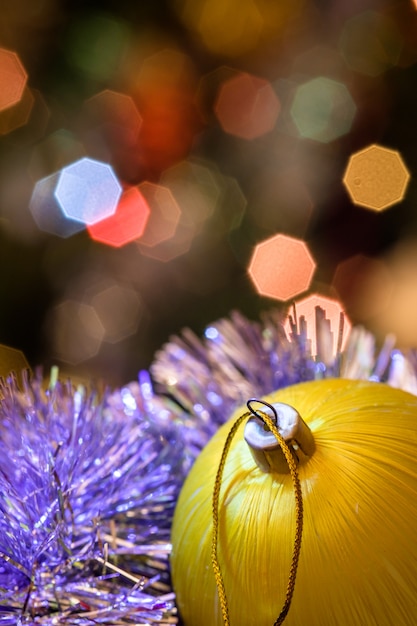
236	27
195	187
118	308
47	212
17	115
316	311
118	112
76	331
88	191
12	360
281	267
247	106
232	28
126	224
323	109
97	44
164	214
376	177
13	78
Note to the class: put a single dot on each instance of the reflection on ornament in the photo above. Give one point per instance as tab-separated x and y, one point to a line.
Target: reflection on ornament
358	559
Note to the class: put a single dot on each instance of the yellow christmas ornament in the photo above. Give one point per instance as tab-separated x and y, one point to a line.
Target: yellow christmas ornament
302	510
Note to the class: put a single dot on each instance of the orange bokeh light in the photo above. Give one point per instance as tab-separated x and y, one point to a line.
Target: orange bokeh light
13	79
376	177
281	267
247	106
317	311
126	224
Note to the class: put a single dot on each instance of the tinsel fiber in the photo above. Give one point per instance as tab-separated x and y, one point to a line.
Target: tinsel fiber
89	481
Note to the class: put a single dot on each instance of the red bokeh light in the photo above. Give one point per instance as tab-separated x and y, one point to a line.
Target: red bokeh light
247	106
281	267
165	90
126	224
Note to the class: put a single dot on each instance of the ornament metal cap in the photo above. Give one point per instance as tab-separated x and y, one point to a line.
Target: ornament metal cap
263	444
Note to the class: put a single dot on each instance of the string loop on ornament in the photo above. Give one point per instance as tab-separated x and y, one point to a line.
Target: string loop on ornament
256	414
269	422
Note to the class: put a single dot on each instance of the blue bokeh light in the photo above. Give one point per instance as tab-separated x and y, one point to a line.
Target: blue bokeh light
88	191
46	210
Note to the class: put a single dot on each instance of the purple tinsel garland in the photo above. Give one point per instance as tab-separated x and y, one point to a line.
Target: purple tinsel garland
89	482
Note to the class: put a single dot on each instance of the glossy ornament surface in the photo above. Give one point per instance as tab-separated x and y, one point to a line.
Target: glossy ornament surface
358	560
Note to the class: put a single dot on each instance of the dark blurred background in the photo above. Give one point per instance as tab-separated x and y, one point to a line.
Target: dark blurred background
235	121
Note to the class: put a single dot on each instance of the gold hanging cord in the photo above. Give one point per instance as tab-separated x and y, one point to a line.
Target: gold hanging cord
272	425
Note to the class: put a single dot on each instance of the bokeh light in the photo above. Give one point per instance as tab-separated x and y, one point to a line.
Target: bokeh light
88	191
164	214
165	86
110	125
399	316
97	44
236	27
47	212
247	106
126	224
28	119
194	186
370	43
118	112
376	177
118	309
13	79
323	109
316	310
18	115
12	360
76	331
364	285
232	207
231	28
281	267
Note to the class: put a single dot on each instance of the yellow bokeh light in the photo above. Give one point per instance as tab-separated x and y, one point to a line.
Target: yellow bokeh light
237	27
281	267
376	177
12	360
